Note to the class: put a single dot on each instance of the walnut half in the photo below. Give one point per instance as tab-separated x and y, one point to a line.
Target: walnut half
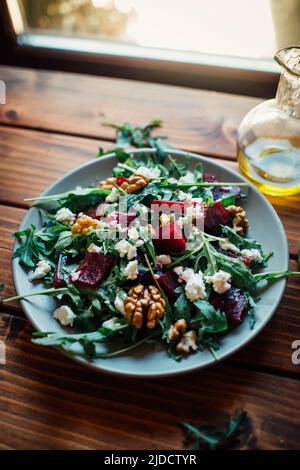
144	303
240	221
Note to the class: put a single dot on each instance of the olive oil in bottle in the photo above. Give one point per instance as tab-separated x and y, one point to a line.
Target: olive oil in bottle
268	143
273	165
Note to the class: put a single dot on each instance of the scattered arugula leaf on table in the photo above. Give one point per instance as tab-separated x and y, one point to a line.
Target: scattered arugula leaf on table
207	437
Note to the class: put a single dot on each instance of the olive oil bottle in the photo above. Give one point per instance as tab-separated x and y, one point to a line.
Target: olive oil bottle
269	135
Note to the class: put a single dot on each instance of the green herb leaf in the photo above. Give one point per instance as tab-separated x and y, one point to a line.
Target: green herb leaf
209	320
273	275
240	242
251	308
241	275
182	306
213	437
29	251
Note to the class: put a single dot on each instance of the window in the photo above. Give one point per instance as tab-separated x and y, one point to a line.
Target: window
231	34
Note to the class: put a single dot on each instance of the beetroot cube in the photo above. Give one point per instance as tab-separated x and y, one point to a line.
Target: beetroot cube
243	259
209	178
93	269
169	239
232	303
168	282
215	216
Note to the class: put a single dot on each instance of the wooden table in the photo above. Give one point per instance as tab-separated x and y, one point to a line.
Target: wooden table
53	122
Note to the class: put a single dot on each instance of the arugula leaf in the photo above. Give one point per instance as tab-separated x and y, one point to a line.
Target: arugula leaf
182	306
65	239
52	292
209	253
29	251
133	345
213	437
198	172
88	347
139	136
273	275
241	275
251	308
75	200
228	201
78	201
240	242
86	340
178	168
210	320
2	285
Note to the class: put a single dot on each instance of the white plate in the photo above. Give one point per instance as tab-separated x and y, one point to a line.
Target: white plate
152	360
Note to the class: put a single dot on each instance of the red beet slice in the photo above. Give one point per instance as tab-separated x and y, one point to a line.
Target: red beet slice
91	212
59	280
93	269
169	239
168	282
122	218
232	303
209	178
215	216
243	259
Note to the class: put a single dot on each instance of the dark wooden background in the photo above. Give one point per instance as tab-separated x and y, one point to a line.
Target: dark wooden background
53	122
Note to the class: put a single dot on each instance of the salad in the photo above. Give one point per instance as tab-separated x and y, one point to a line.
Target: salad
158	252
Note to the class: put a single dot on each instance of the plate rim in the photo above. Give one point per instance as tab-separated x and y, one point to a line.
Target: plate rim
187	369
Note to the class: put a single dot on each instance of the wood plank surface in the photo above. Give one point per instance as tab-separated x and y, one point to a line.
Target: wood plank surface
30	161
196	120
49	402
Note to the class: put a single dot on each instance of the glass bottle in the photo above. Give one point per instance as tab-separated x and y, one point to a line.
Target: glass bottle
269	135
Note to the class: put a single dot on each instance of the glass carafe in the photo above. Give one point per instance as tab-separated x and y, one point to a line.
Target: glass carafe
269	135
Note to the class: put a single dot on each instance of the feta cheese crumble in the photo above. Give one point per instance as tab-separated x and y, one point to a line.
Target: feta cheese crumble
131	270
92	248
227	246
111	324
164	259
64	315
133	234
183	273
125	248
113	196
119	305
65	216
41	270
195	287
148	172
220	281
252	255
102	209
188	178
184	197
